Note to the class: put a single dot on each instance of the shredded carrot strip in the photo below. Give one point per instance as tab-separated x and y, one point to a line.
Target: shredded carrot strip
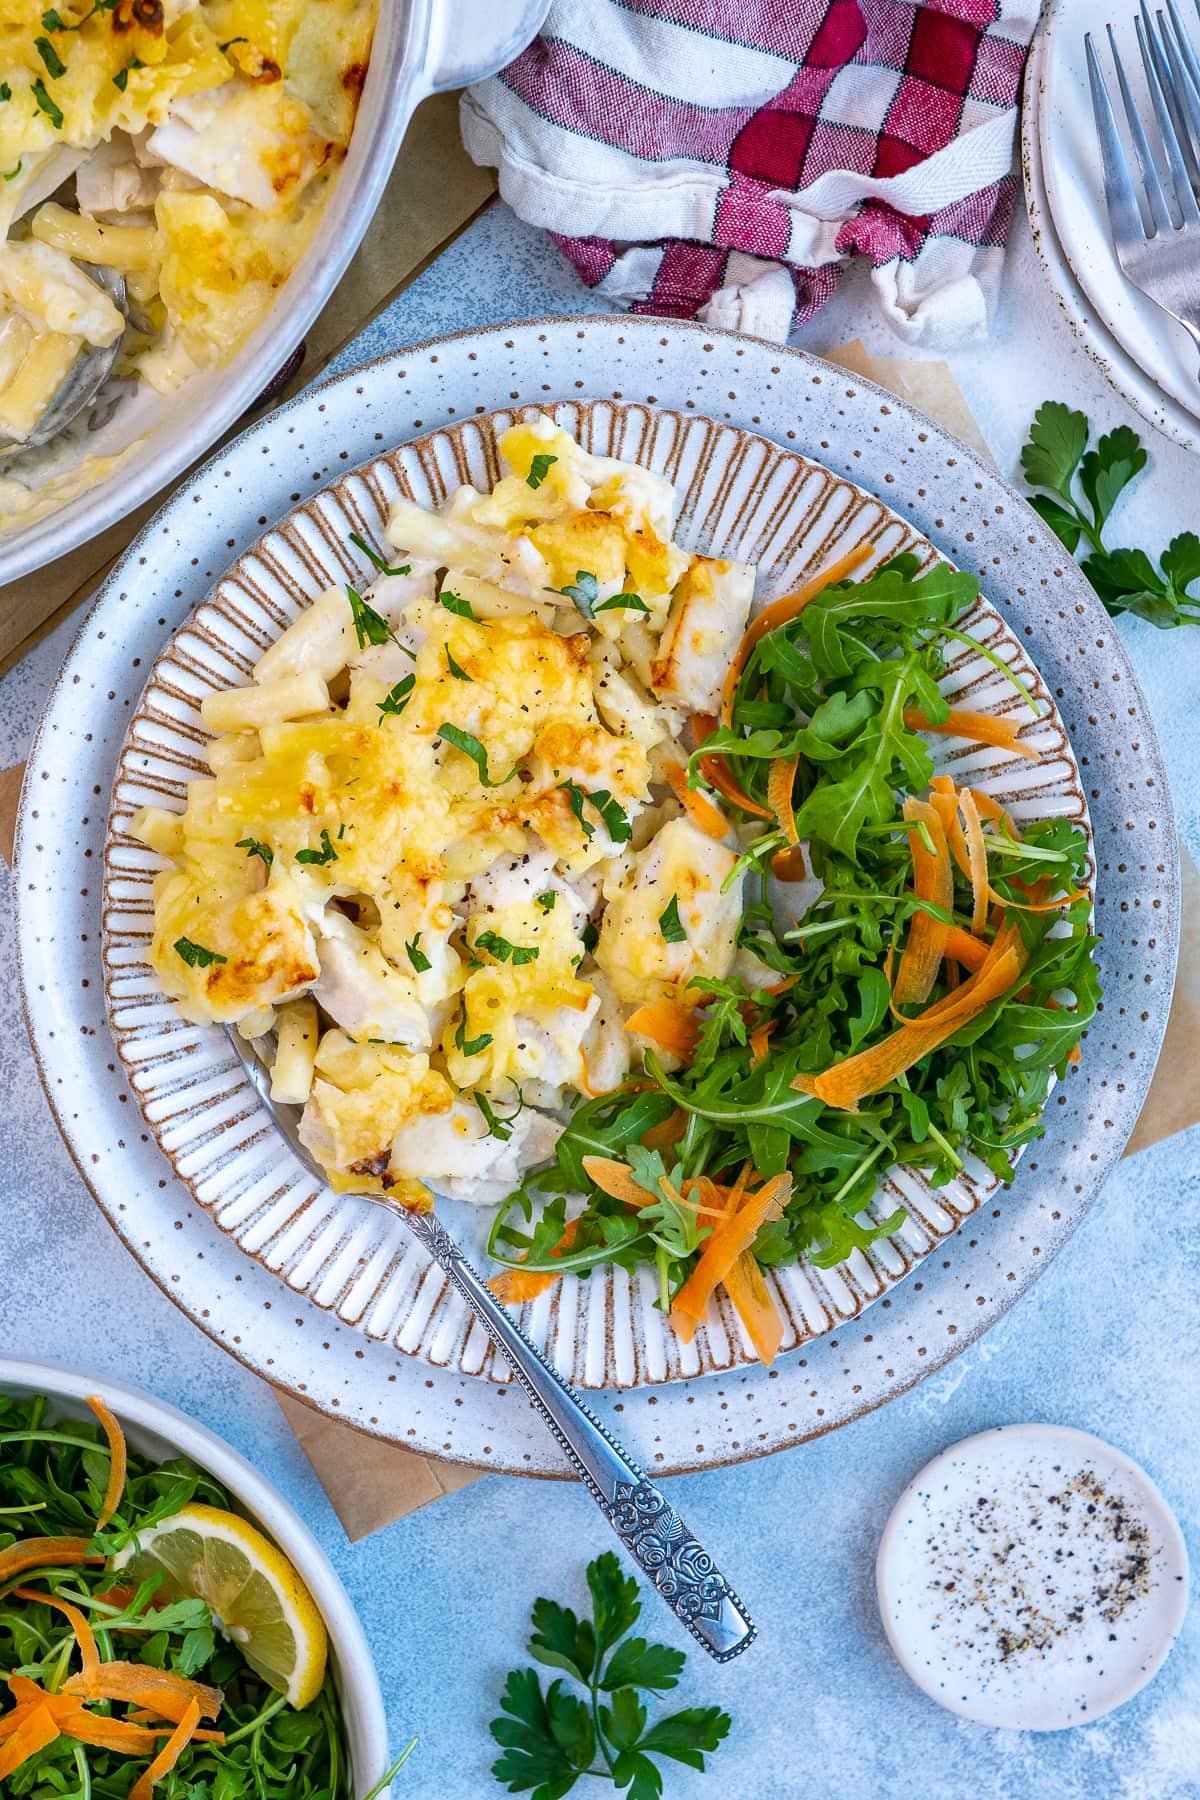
948	801
670	1024
168	1756
990	809
789	864
780	782
44	1553
779	612
747	1288
668	1134
699	808
716	770
37	1728
759	1039
933	880
976	860
965	949
980	728
850	1081
74	1721
118	1459
84	1637
512	1287
167	1693
733	1235
616	1179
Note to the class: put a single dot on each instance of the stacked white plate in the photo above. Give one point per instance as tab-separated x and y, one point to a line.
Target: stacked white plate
1149	359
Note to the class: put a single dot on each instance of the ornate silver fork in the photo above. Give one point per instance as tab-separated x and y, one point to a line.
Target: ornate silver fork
680	1568
1158	241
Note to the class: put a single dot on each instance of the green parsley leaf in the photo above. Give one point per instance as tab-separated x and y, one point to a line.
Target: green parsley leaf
501	1128
326	854
459	674
615	821
503	951
471	746
55	65
121	78
45	104
52	22
11	174
230	42
359	543
539	468
546	901
470	1046
5	91
453	603
670	924
369	628
396	699
631	603
195	955
417	956
255	847
575	799
584	591
590	936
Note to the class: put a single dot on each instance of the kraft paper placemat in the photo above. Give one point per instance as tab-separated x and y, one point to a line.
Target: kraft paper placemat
371	1483
434	193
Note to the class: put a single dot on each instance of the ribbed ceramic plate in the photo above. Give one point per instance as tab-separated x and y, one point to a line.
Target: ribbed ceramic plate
741	496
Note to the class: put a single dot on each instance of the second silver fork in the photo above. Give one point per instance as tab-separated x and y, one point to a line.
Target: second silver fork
1156	237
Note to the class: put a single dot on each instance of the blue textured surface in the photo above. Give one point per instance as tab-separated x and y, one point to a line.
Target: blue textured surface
1108	1340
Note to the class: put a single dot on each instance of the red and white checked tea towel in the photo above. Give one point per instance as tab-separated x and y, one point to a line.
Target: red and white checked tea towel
724	159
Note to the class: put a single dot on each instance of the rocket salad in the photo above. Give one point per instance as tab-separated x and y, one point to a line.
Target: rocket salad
915	1014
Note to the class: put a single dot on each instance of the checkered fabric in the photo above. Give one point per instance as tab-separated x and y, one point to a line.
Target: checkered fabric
724	159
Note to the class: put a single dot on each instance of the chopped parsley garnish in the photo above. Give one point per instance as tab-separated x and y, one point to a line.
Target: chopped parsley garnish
539	468
55	65
670	924
546	900
584	591
255	847
46	104
503	951
471	746
396	699
631	603
498	1127
229	43
369	628
359	543
458	672
196	956
616	824
5	91
326	854
417	956
121	78
470	1046
591	936
53	21
456	604
11	174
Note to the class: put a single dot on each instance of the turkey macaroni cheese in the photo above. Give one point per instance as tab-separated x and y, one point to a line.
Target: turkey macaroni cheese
446	847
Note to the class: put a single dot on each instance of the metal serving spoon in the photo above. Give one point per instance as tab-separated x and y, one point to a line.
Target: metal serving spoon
83	379
654	1534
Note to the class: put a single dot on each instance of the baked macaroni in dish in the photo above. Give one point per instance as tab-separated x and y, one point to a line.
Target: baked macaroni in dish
447	847
187	145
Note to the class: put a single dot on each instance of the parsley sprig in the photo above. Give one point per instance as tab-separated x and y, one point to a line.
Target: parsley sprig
553	1737
1057	459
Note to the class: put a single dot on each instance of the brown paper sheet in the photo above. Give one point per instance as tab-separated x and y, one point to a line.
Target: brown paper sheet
370	1483
434	193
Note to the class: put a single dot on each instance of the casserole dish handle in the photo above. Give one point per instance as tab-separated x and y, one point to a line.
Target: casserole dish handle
469	39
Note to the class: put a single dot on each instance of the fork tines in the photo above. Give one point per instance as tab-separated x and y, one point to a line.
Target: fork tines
1167	149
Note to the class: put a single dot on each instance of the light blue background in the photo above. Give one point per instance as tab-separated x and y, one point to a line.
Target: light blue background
1108	1340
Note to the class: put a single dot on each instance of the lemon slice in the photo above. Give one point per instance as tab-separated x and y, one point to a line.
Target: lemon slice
256	1597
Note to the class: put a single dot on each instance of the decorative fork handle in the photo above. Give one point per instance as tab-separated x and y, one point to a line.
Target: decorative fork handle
680	1568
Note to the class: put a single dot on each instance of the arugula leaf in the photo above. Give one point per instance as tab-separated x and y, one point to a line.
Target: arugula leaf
670	924
195	955
584	591
552	1738
255	847
359	543
539	467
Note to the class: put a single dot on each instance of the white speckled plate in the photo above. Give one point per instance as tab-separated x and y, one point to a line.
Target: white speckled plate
741	496
1064	199
1032	1578
859	432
